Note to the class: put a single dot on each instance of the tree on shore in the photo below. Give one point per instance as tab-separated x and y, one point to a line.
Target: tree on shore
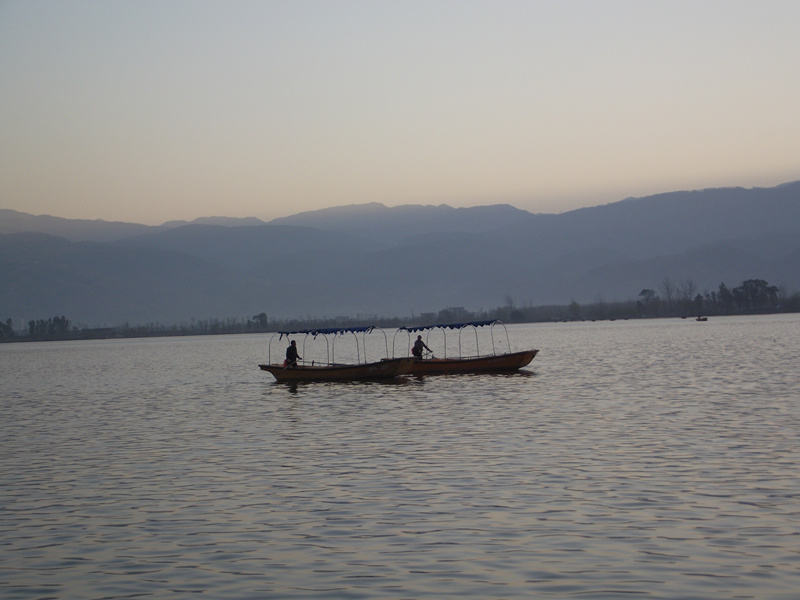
751	297
54	328
668	289
6	330
648	303
755	295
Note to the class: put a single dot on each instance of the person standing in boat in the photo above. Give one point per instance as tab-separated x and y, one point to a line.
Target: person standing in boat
418	346
291	355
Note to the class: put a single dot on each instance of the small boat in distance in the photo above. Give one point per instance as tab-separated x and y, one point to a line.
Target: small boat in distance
479	363
328	369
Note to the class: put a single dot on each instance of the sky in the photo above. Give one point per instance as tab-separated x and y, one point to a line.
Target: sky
155	110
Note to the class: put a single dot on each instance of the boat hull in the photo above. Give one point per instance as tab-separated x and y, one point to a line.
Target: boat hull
384	369
485	364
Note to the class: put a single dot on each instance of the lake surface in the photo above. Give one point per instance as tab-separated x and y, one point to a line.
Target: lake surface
631	459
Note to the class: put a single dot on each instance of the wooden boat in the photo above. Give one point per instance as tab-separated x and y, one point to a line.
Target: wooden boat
383	369
487	363
500	363
327	369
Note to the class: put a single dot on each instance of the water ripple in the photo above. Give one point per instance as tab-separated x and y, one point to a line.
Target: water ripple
169	468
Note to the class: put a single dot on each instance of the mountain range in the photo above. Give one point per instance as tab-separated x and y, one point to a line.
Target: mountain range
365	260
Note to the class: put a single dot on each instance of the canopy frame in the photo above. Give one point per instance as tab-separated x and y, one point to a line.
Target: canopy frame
460	327
330	344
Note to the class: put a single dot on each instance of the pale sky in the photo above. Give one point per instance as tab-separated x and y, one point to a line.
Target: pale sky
153	110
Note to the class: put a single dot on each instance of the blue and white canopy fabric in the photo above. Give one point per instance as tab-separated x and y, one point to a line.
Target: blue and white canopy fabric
451	325
326	331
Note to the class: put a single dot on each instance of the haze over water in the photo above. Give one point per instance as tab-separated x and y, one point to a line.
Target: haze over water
652	459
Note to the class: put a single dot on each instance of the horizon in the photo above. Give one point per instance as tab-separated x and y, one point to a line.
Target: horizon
328	208
149	112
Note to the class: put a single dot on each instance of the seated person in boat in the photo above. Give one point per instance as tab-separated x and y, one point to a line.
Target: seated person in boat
418	346
291	355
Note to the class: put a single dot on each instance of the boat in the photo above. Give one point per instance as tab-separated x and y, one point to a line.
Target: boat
328	369
481	364
494	362
386	368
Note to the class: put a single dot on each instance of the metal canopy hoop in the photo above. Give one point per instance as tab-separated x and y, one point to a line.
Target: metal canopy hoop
457	326
330	345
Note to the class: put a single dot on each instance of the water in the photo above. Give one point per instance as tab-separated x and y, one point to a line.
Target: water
637	459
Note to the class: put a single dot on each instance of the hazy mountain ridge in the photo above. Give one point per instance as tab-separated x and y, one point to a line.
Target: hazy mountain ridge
247	246
76	230
98	230
394	224
374	260
52	276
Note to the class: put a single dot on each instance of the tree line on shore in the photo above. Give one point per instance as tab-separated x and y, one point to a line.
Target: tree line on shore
672	299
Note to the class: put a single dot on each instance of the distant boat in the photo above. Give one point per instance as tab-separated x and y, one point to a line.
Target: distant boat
329	370
486	363
701	318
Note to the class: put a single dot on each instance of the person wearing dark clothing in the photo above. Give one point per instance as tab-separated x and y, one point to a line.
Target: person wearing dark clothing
291	355
418	346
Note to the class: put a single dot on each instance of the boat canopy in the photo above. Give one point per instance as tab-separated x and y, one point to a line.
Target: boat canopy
326	331
460	327
451	325
336	333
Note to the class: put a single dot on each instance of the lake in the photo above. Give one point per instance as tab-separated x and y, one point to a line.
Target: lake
635	459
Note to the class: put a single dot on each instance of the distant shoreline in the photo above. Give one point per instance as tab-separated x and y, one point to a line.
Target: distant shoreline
622	311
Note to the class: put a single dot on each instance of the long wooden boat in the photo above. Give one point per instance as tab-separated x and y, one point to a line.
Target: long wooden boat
487	363
384	369
327	368
498	363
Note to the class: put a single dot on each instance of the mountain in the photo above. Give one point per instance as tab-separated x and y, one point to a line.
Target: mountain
81	230
372	260
394	224
12	221
227	221
99	283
